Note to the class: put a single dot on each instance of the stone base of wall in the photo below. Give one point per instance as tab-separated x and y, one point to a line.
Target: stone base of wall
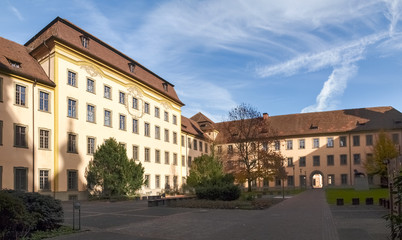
361	183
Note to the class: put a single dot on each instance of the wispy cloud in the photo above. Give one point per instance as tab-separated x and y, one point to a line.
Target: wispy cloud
17	13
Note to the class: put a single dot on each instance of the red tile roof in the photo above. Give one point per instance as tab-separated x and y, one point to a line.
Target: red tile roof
192	127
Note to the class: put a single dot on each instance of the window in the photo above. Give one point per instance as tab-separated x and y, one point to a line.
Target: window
344	179
175	159
135	126
206	147
72	79
72	180
344	159
219	149
146	181
316	143
85	41
302	161
147	157
146	130
20	179
167	182
395	138
166	116
72	108
135	103
165	86
195	144
277	145
174	138
174	119
175	185
330	160
107	92
20	136
369	140
135	152
44	180
189	161
289	144
157	181
166	135
157	156
90	85
331	180
108	118
230	149
356	159
183	160
157	114
290	162
302	179
265	182
14	64
182	140
342	141
302	144
157	132
291	181
124	145
1	94
72	143
1	132
90	145
167	160
316	160
356	141
90	113
43	101
131	66
330	142
278	182
122	98
189	143
264	146
122	122
43	139
20	95
200	146
146	108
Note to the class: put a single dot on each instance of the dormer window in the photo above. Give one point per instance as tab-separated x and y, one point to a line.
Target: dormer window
131	66
165	86
313	126
84	41
14	64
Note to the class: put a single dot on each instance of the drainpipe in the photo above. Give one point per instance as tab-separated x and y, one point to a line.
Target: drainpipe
33	136
350	160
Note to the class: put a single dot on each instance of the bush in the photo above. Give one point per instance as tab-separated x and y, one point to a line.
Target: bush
225	192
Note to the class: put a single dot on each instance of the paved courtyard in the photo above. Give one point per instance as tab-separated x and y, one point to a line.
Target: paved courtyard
305	216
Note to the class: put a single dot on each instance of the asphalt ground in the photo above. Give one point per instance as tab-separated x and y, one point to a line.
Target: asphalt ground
304	216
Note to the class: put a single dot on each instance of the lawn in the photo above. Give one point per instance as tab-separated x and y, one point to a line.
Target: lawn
347	195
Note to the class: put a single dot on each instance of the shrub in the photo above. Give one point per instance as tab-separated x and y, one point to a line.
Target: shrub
225	192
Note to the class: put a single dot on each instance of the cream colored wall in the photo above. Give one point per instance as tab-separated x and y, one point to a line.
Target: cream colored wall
188	151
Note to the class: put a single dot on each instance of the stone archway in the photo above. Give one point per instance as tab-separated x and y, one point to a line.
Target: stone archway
317	179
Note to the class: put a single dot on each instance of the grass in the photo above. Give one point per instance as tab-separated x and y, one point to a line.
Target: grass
63	230
347	195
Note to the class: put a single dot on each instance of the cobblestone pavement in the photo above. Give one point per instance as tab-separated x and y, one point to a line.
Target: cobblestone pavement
305	216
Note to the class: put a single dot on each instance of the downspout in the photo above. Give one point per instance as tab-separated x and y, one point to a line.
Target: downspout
350	160
33	136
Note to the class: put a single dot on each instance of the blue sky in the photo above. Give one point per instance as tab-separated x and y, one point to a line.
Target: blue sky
281	57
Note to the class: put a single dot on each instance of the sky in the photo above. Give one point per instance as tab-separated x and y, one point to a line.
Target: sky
281	57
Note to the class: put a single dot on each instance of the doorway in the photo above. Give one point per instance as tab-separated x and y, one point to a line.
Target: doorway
317	180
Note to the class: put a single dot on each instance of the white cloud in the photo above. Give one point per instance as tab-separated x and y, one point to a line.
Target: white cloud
17	13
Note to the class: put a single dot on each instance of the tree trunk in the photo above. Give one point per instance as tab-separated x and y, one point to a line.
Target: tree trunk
249	185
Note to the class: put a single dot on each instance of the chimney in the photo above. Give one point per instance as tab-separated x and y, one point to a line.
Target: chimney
265	116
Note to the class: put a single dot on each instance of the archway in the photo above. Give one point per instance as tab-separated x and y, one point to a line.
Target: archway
317	179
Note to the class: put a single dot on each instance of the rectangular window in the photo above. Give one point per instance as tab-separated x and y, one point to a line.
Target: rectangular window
291	181
20	136
289	144
157	114
264	146
344	179
72	143
175	185
219	150
290	162
356	159
157	181
175	159
369	140
278	182
395	138
122	98
108	118
135	126
72	180
122	122
174	119
331	180
166	116
174	137
200	146
330	160
344	159
20	95
43	139
72	79
195	144
147	157
302	144
157	132
146	108
43	101
342	141
182	140
90	113
90	85
316	143
206	147
302	179
44	180
1	132
183	160
316	160
147	130
135	152
166	135
302	161
330	142
230	149
20	179
277	145
157	156
135	103
167	182
356	141
167	160
107	92
90	145
72	108
189	161
146	180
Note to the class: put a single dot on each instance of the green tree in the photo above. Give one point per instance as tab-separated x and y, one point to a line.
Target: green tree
205	169
111	173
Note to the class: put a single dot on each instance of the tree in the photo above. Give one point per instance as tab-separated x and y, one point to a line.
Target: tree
251	136
205	169
111	173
